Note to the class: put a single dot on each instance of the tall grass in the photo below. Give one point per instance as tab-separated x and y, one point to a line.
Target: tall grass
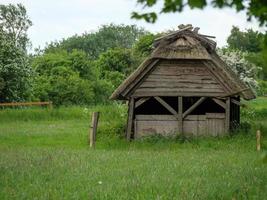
44	154
114	110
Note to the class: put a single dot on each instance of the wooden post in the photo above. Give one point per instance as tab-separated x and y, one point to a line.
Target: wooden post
93	129
50	105
180	115
258	139
227	115
130	119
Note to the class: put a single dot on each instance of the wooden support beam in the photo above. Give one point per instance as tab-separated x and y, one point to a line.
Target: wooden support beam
219	102
167	106
227	114
93	129
236	102
189	110
141	101
180	114
130	119
258	139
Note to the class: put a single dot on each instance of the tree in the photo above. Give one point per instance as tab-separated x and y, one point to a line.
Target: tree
15	71
14	22
237	61
253	8
76	60
64	77
249	40
107	37
64	87
144	46
115	60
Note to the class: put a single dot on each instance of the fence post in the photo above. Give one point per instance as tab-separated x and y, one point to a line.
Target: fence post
258	139
50	105
93	129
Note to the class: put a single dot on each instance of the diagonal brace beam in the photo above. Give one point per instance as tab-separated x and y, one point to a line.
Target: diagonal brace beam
167	106
141	101
189	110
219	102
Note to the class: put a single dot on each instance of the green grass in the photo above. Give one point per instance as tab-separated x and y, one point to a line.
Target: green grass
44	155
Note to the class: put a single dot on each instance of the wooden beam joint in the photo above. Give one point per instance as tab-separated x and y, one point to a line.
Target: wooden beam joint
167	106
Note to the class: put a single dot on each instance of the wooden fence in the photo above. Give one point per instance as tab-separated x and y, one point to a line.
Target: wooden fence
49	104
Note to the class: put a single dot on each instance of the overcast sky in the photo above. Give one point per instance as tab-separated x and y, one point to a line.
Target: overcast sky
57	19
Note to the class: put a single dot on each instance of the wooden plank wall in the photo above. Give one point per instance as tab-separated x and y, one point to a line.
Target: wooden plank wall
178	78
193	125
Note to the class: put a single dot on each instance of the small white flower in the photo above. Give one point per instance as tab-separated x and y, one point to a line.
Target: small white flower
100	182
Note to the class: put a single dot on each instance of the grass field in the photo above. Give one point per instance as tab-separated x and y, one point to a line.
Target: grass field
44	155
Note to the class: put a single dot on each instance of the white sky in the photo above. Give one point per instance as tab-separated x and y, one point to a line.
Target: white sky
57	19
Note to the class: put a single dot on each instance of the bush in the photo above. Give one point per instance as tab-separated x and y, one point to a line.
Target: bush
262	89
64	87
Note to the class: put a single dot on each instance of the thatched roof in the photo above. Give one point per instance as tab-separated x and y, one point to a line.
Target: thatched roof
186	43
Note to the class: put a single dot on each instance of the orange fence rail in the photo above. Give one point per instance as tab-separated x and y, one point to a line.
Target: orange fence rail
48	103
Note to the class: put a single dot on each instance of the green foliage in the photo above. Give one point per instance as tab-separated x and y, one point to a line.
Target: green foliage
248	40
115	60
15	72
68	88
253	8
114	65
102	90
144	46
253	43
76	60
237	61
14	22
107	37
262	90
64	78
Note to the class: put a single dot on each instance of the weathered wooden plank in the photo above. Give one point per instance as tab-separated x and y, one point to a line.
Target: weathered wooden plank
180	115
165	128
182	63
173	93
180	90
196	104
215	115
161	79
130	119
236	102
155	118
227	115
158	78
170	70
93	129
215	126
214	71
194	128
162	84
258	140
141	101
140	78
167	106
169	118
180	76
48	103
219	102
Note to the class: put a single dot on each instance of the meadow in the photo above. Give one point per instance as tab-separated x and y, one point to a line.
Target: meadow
44	154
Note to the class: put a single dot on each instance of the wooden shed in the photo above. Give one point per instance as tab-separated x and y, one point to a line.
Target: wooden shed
183	87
